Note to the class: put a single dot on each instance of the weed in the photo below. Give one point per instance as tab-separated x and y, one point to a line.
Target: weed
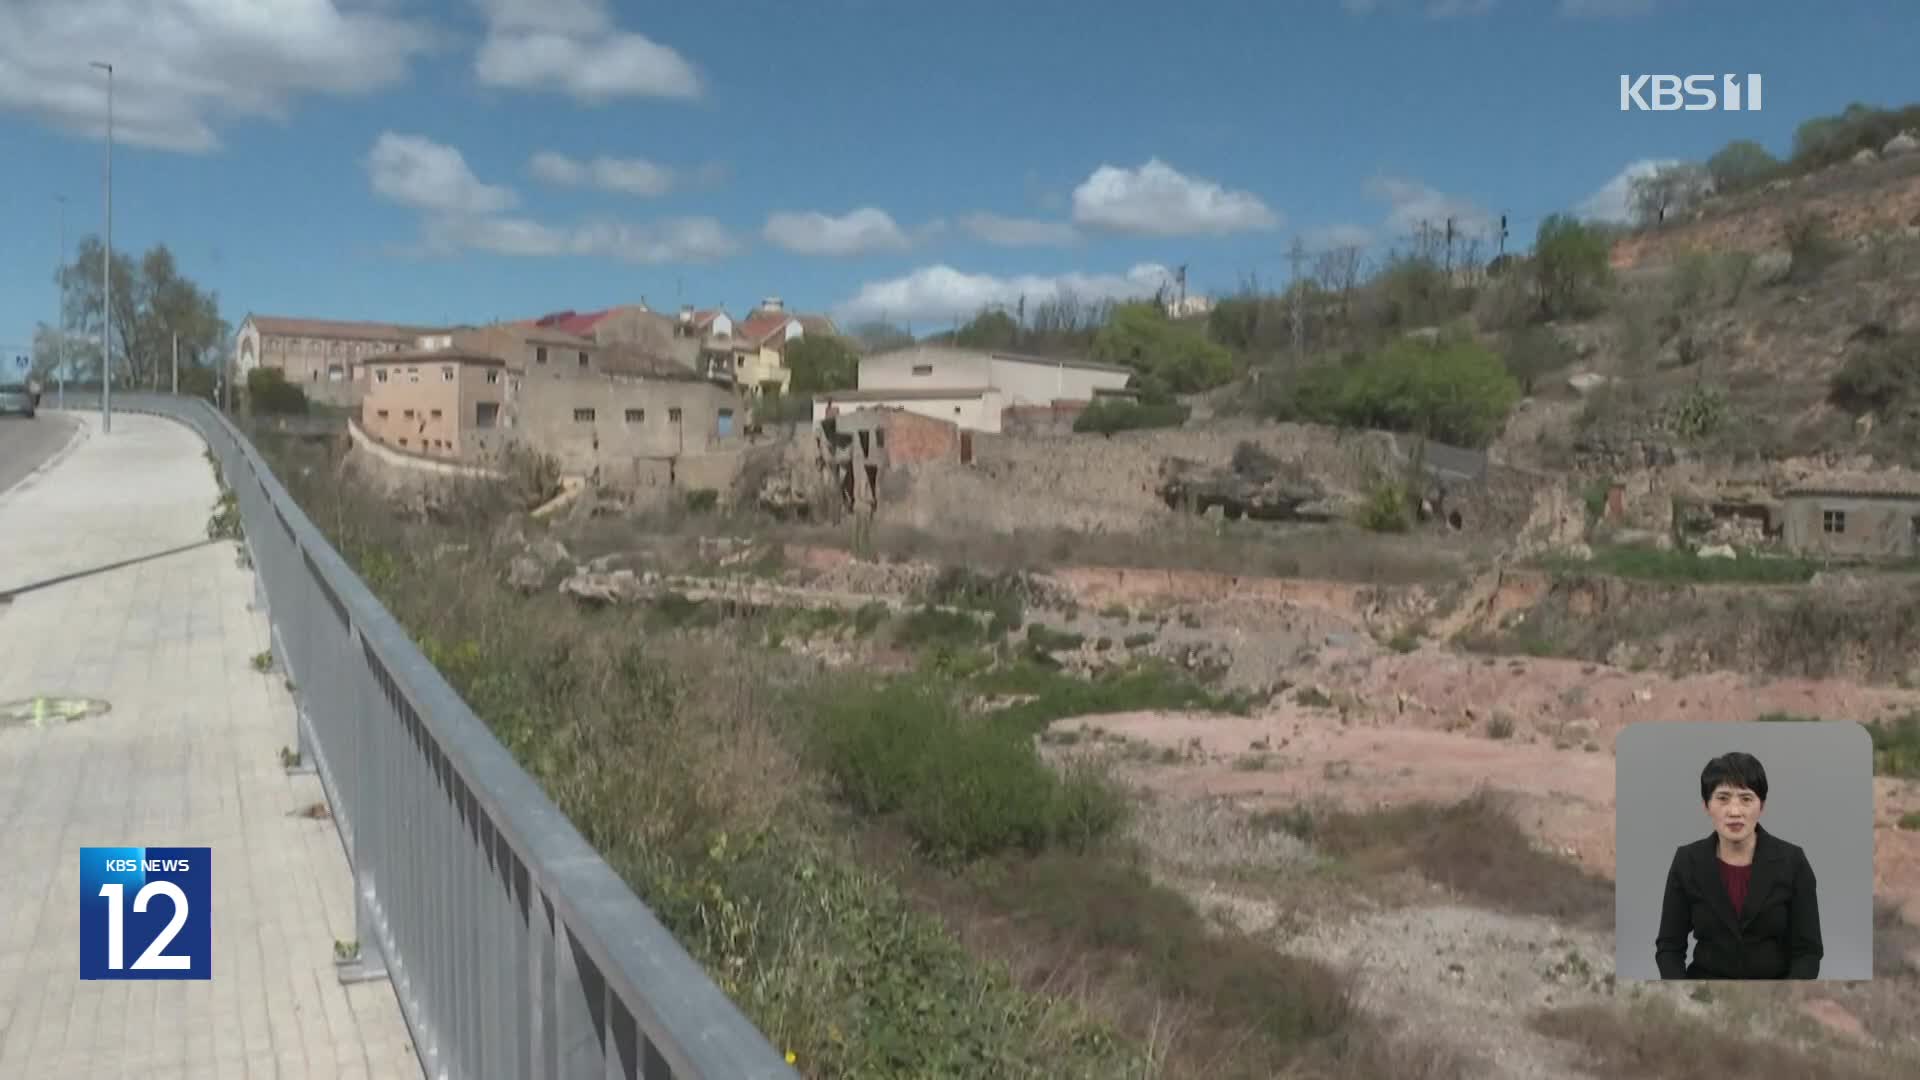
1312	697
1472	847
262	661
1140	640
1500	727
1652	1040
1910	820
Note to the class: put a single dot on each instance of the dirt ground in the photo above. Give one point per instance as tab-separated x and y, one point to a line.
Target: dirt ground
1415	729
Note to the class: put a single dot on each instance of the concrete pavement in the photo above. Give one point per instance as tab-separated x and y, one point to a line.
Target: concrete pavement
187	754
25	445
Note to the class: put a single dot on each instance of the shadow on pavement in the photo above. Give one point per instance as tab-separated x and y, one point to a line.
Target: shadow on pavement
7	595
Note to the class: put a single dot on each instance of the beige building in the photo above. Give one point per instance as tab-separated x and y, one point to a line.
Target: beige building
1860	517
321	356
468	393
970	387
443	403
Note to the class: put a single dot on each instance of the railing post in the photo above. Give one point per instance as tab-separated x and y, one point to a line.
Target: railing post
359	766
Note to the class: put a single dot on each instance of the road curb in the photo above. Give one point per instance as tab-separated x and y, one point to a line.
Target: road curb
80	433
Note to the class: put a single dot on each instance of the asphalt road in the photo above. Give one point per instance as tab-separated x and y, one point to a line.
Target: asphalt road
24	444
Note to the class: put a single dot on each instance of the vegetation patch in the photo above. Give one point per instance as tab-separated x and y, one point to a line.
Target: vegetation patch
1472	847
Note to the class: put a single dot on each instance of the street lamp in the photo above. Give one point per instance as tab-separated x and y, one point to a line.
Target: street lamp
60	350
106	275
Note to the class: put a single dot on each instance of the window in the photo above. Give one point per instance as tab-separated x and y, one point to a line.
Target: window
583	358
383	414
408	414
493	376
583	416
540	355
436	414
879	438
636	416
1915	524
380	373
923	369
673	415
446	374
486	414
1833	521
403	440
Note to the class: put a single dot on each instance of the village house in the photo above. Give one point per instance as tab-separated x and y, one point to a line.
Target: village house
321	356
1858	516
467	394
970	388
438	402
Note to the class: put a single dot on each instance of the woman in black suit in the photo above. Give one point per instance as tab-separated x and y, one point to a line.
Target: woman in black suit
1746	896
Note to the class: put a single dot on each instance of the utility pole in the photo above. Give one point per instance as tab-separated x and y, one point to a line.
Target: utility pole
106	276
1503	234
1449	248
1296	254
176	365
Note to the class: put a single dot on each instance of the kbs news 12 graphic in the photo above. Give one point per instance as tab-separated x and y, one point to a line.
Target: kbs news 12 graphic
146	913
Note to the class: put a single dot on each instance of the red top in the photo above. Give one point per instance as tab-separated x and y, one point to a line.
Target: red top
1735	878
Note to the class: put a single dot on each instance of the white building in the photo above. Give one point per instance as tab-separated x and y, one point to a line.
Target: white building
968	387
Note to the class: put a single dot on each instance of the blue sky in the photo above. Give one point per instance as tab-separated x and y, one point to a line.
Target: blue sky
423	161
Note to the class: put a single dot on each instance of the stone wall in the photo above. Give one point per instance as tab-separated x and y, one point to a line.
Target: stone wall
1094	483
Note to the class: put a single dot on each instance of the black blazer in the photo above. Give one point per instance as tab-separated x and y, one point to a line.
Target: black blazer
1777	934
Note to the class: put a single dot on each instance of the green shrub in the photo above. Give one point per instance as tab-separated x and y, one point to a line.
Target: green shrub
271	394
962	786
1107	416
1878	376
1454	392
1387	508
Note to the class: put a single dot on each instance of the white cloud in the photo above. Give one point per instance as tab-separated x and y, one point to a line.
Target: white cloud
1004	231
415	171
181	67
1411	203
1614	201
942	292
627	176
573	46
1157	199
677	240
863	231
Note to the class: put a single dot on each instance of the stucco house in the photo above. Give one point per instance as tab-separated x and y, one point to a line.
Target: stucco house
1859	515
970	388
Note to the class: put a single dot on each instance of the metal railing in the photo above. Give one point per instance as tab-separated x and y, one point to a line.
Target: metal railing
514	949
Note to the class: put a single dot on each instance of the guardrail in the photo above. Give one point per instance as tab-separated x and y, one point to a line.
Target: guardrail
514	949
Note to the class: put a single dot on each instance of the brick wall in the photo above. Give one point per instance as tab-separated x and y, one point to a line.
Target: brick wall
913	439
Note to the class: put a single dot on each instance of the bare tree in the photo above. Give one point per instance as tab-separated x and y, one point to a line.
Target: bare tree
1669	189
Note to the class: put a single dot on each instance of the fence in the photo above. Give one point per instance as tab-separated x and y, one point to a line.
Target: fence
514	949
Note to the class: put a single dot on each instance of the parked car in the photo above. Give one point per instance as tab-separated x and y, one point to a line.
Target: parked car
17	400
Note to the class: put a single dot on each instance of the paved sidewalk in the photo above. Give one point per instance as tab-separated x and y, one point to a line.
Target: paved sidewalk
187	755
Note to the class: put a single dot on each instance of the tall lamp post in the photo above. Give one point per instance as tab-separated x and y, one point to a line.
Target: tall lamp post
106	275
60	351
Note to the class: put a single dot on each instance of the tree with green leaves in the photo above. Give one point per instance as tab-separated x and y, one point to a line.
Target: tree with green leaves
1570	264
1740	165
1174	356
152	302
992	329
822	362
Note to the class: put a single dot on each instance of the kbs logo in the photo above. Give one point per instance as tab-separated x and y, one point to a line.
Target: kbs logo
1693	93
145	913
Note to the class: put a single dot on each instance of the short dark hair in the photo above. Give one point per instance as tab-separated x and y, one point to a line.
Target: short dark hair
1738	770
